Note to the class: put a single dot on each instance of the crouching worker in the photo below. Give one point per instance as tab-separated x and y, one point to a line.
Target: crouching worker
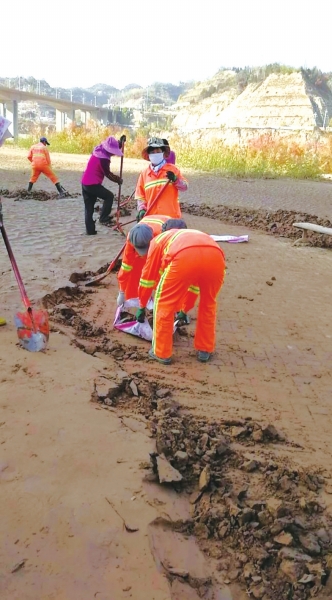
136	249
185	258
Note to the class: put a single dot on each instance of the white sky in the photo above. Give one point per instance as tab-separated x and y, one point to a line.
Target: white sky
79	42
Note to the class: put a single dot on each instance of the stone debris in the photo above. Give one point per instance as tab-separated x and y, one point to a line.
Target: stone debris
133	388
167	473
251	511
204	479
105	388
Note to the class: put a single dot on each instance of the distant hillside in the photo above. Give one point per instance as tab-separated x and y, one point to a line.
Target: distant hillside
274	96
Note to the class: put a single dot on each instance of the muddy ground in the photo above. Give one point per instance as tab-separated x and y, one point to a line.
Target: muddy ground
90	428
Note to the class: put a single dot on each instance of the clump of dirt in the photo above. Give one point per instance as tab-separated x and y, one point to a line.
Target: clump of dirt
127	204
276	223
85	276
63	306
40	195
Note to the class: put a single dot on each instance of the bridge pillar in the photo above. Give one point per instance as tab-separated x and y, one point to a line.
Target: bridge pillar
103	116
10	111
70	117
59	120
86	117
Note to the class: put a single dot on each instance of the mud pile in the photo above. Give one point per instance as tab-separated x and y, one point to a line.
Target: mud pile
40	195
261	519
278	223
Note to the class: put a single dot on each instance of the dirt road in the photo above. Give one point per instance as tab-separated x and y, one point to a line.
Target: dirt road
69	467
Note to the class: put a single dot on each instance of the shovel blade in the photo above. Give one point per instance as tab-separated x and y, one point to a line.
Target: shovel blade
33	329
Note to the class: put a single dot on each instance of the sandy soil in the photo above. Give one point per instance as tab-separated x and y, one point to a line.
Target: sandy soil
70	463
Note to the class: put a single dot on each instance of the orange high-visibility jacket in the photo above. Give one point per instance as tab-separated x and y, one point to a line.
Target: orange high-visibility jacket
161	253
39	156
132	262
149	185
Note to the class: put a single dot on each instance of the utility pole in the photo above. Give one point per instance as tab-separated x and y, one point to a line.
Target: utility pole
324	122
71	95
95	100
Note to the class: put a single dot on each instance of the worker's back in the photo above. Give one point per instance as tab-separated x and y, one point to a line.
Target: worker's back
39	155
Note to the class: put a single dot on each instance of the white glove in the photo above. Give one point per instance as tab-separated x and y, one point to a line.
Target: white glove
120	299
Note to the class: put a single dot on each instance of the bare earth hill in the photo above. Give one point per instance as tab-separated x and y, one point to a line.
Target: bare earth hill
281	101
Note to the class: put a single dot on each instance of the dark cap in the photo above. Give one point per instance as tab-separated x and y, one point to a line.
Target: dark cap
174	224
44	141
140	237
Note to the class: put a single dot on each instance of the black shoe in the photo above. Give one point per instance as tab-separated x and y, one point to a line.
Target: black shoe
91	233
107	222
30	187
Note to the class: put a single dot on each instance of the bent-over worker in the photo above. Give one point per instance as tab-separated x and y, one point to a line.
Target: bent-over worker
186	258
135	252
97	168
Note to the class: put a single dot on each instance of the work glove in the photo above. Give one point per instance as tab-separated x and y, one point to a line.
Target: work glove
122	140
171	176
120	299
140	315
183	317
140	215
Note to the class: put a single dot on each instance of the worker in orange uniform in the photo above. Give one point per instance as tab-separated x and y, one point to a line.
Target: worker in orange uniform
152	179
39	157
186	257
135	252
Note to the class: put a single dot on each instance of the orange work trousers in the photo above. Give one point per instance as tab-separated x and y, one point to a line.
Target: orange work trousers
46	170
205	266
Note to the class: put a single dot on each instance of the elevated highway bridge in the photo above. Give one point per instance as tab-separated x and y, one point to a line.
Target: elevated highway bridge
65	109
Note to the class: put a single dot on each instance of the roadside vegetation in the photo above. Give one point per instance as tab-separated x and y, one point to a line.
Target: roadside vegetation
261	156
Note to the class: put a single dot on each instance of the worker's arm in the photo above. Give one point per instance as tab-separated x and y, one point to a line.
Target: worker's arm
126	265
176	178
150	274
105	165
29	157
140	194
47	156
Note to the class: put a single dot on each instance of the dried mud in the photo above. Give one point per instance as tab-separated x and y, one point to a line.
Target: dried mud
278	223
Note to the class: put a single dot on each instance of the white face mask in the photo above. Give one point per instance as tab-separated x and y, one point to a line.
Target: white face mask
156	158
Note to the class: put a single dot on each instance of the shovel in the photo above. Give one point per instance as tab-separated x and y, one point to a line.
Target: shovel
32	326
99	278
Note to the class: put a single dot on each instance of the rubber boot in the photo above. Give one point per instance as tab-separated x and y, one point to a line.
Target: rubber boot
30	186
62	193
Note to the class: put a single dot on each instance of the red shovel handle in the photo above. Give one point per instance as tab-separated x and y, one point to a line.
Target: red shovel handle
23	293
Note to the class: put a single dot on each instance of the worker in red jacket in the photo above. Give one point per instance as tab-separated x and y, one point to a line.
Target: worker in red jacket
184	258
39	157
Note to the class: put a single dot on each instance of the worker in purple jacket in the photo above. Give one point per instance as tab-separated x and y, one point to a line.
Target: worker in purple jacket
97	168
171	158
